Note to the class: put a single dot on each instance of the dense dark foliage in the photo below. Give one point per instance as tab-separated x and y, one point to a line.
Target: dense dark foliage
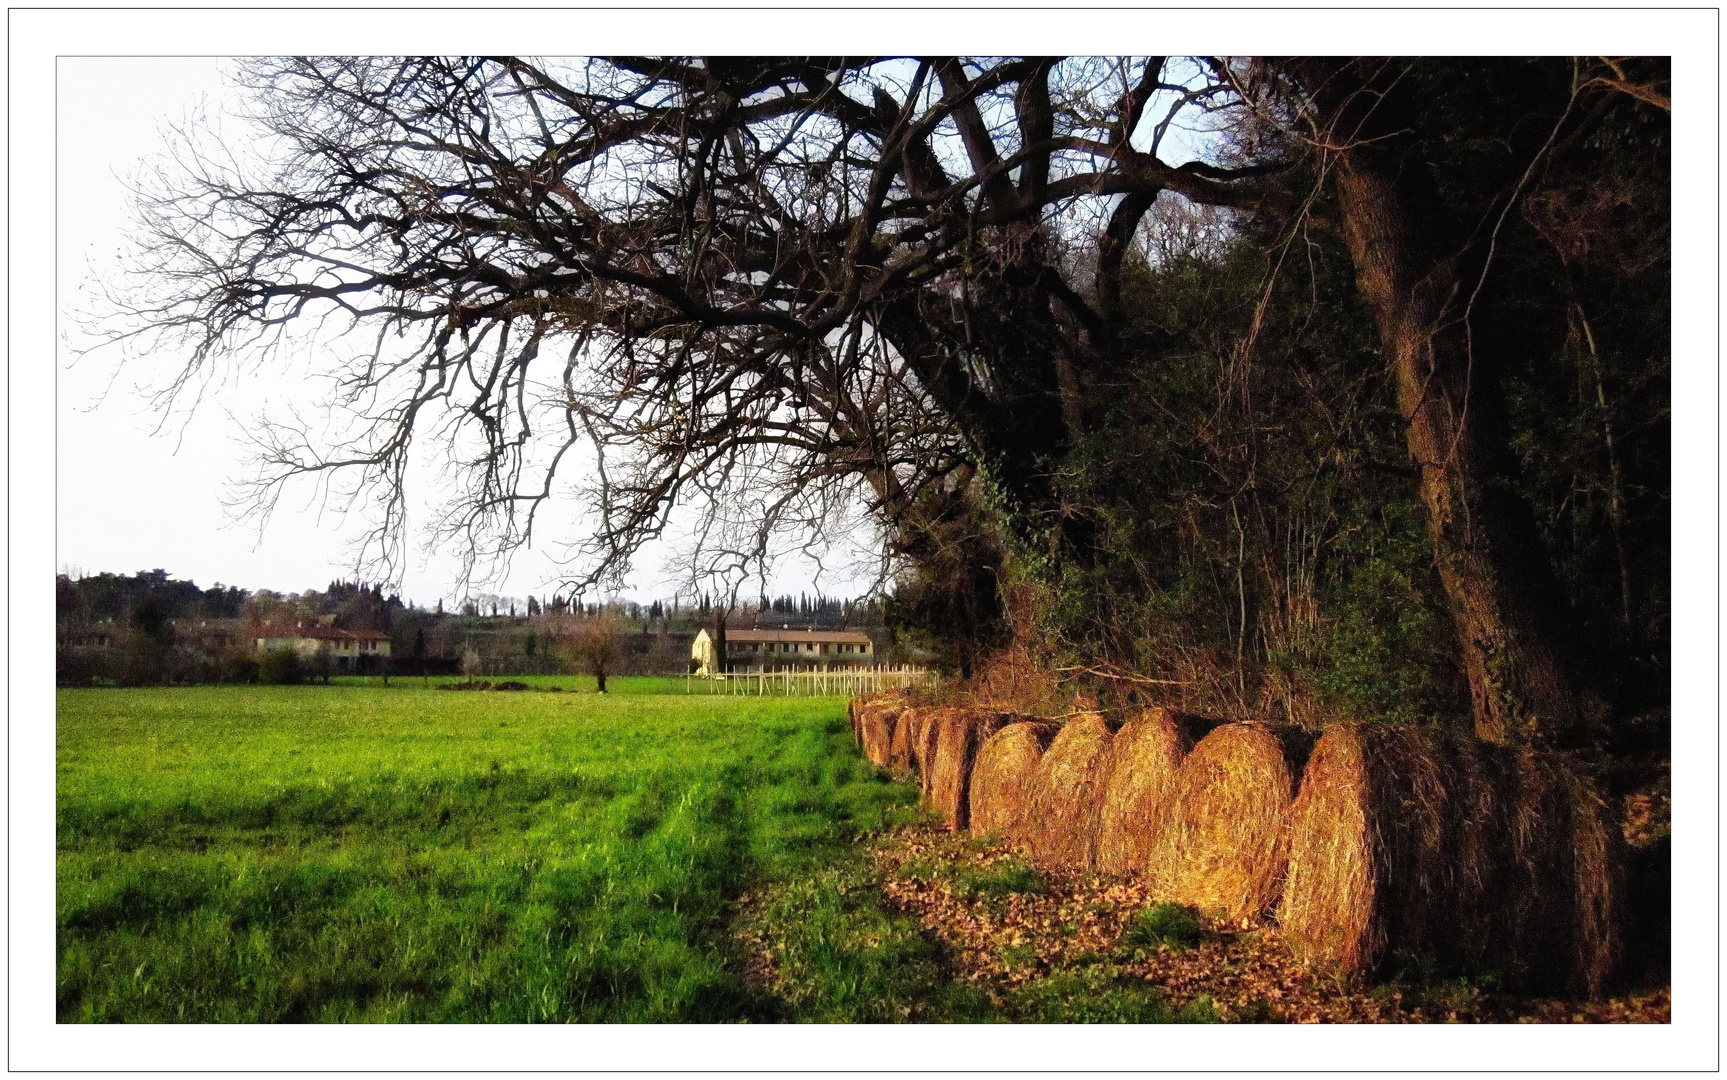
117	596
1259	541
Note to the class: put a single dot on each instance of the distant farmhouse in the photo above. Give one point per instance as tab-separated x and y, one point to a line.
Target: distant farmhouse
785	650
349	649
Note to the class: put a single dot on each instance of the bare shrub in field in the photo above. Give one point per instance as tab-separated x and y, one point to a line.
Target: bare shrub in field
595	645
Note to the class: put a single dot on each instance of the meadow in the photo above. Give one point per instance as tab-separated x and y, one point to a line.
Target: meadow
363	853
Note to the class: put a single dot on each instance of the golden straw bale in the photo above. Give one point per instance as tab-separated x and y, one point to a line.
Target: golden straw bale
958	735
1332	883
1600	855
1001	778
1220	845
877	725
899	741
866	705
1454	853
923	739
1144	757
1061	813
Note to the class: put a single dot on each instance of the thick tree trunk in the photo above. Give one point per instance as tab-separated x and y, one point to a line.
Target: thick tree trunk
719	636
997	370
1409	266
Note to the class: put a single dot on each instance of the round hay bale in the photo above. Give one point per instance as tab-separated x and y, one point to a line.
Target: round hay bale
905	731
1144	758
923	740
1330	911
1061	819
1562	933
877	726
958	735
1397	845
1469	856
1001	778
1220	844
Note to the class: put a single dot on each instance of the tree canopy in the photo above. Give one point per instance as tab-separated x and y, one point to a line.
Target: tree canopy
1248	368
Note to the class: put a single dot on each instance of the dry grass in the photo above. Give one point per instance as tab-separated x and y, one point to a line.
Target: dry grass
1412	846
1001	778
1061	819
1144	758
1220	846
1012	681
1332	889
1565	852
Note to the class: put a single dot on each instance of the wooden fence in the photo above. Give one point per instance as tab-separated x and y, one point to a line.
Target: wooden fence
836	683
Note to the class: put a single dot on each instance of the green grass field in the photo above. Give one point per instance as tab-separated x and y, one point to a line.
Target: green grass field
356	853
581	684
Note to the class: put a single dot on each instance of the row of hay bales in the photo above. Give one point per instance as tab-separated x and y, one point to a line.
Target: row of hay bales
1369	844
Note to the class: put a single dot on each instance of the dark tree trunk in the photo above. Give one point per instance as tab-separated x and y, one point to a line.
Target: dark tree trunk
1011	377
1416	273
719	636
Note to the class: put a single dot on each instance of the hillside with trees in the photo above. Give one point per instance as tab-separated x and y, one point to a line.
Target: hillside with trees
150	628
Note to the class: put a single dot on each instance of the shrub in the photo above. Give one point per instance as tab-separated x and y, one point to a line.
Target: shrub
280	667
1174	925
239	667
1092	998
997	880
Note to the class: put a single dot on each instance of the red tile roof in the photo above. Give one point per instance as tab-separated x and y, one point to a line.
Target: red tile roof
320	633
847	637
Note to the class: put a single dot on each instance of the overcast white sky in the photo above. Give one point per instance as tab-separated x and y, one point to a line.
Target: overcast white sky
136	490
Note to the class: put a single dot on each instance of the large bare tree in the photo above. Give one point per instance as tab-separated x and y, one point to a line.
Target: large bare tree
779	284
776	289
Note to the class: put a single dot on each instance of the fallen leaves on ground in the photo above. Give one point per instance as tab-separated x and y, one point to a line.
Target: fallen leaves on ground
1000	940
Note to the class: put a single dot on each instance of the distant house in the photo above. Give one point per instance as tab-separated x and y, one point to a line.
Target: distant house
785	650
214	636
350	649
